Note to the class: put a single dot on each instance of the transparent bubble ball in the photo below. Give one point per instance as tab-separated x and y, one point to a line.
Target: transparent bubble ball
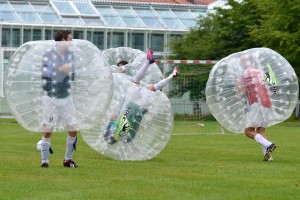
35	80
136	58
148	114
271	89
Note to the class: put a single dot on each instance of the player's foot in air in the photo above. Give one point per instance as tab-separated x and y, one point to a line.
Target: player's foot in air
175	72
269	151
111	140
150	56
70	163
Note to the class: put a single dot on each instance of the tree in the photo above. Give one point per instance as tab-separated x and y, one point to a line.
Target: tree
279	28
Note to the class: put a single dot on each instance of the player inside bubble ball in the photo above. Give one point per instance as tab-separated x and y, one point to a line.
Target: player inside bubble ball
253	86
58	106
138	97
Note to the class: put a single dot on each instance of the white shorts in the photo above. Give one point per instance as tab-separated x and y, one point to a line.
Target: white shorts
140	95
257	116
59	113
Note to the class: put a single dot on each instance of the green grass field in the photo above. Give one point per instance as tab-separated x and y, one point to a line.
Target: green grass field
192	166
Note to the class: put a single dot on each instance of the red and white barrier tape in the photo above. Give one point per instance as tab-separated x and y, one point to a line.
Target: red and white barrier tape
195	62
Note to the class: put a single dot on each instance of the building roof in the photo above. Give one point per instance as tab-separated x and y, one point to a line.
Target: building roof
189	2
203	2
171	15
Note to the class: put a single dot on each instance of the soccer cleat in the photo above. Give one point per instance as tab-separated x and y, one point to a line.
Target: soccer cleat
70	163
269	151
175	72
150	56
111	140
107	133
270	159
113	125
44	165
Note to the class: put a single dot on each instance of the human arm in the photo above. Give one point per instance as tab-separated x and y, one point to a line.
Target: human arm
68	67
47	72
241	87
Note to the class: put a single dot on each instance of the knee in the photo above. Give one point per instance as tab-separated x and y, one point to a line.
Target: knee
246	133
47	130
73	133
250	132
113	117
47	134
151	87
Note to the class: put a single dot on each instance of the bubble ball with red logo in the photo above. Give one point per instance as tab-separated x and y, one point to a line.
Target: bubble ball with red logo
253	88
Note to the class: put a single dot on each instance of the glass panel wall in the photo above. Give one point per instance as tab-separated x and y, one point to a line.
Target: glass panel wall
7	14
116	39
41	8
199	12
85	8
92	21
110	16
72	20
98	39
157	42
89	36
136	40
64	7
22	6
188	23
26	35
5	40
26	13
5	6
97	14
46	13
29	17
129	17
16	37
186	17
97	17
148	18
7	55
37	34
78	34
12	37
48	35
113	21
169	18
50	18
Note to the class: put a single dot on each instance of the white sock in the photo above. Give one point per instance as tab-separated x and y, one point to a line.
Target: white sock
45	145
264	152
70	147
261	140
141	72
162	83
